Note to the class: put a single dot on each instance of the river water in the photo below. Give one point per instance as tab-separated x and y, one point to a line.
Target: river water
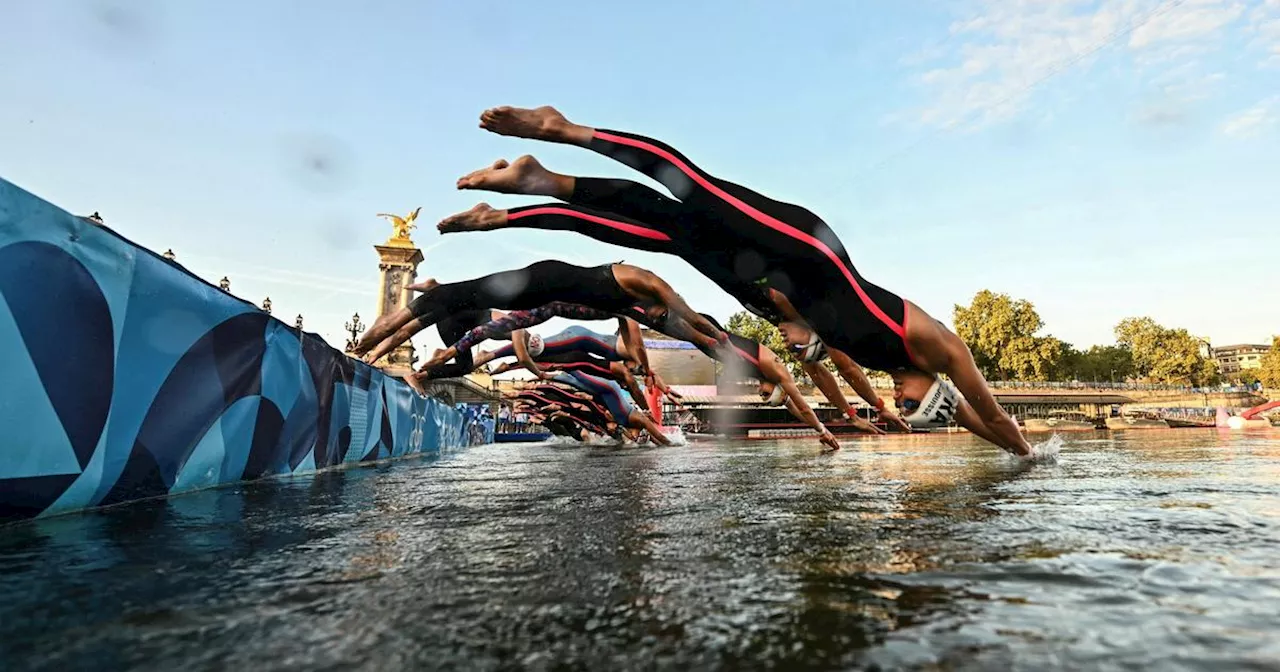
1145	550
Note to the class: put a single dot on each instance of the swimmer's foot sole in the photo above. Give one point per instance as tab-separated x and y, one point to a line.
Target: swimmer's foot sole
480	218
523	176
540	123
414	380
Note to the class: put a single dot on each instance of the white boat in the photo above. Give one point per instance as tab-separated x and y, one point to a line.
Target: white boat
1062	421
1137	420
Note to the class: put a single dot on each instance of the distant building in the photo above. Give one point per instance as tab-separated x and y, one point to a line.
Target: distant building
678	362
1236	358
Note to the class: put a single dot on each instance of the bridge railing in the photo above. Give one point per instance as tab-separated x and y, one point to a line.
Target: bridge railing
887	383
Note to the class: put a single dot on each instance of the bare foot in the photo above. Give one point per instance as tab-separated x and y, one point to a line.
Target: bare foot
524	176
540	123
414	380
424	286
480	218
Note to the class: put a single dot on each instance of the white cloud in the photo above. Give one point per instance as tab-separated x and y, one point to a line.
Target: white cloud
1251	121
1264	24
1009	47
1193	21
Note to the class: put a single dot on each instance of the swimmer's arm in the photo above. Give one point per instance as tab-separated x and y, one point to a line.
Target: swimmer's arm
520	343
826	382
647	423
634	342
857	379
802	409
969	419
634	389
674	396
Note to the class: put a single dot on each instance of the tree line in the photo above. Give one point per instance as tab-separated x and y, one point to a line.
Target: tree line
1004	336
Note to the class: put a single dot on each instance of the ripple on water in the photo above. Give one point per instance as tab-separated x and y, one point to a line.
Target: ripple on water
1156	552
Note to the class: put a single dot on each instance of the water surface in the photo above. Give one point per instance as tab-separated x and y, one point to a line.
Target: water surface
1146	550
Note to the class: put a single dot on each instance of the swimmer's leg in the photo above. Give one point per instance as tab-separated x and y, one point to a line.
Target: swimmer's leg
630	199
605	227
382	328
652	157
401	335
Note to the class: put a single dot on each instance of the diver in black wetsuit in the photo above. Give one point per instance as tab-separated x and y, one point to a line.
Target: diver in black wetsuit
791	250
611	288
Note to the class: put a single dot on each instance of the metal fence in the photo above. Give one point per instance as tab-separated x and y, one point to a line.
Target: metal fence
887	383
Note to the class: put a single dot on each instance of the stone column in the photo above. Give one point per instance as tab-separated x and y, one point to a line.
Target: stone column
398	260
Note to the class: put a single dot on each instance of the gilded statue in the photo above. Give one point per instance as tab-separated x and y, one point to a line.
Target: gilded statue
402	225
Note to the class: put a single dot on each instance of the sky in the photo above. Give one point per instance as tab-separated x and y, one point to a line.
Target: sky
1101	159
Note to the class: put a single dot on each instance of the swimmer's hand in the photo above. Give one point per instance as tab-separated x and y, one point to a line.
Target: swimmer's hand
893	420
829	442
863	425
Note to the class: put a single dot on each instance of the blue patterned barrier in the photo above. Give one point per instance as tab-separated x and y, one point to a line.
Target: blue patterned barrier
123	376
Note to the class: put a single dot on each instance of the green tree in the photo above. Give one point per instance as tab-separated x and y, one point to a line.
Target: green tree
746	324
1105	363
1269	374
1165	355
1001	333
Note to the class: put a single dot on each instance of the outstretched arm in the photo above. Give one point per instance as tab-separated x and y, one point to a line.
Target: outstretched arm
801	407
633	388
634	342
857	379
520	343
826	381
968	379
663	387
643	419
969	419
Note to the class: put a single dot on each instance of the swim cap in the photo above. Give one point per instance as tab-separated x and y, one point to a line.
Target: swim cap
778	396
535	345
813	351
938	406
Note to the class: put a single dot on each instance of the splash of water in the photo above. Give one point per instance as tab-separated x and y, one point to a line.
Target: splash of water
1047	450
676	436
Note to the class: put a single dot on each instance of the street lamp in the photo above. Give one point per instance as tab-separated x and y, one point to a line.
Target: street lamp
353	328
298	322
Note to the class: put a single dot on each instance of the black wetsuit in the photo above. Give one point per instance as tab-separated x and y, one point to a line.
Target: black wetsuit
580	361
525	288
453	328
739	239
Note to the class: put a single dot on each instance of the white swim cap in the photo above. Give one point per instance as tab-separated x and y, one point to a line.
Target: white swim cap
535	345
778	397
938	406
813	351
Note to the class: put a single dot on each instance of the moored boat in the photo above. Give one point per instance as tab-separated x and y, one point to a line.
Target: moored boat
1137	420
1062	421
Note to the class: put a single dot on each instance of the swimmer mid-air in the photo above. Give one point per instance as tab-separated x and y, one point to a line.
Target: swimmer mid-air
613	288
747	239
776	386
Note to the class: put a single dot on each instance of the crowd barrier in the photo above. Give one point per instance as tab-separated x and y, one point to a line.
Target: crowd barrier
126	377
